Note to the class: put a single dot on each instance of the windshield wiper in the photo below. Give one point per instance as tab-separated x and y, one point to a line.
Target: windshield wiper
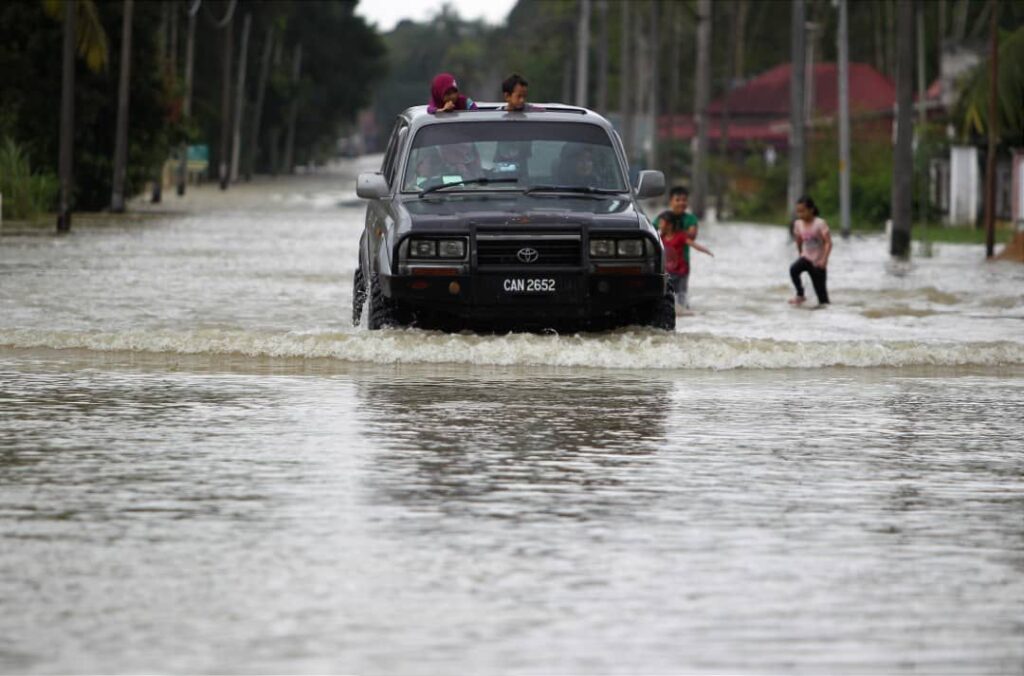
471	181
582	189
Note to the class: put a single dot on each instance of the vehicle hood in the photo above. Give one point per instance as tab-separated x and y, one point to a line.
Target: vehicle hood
459	212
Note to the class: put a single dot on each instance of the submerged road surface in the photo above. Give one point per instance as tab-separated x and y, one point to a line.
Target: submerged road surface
204	468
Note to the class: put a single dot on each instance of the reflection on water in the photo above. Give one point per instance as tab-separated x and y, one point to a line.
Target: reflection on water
214	473
475	444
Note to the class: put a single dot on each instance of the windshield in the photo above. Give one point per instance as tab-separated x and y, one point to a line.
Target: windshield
512	156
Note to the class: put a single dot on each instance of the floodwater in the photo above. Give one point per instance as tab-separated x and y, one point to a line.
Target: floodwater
205	468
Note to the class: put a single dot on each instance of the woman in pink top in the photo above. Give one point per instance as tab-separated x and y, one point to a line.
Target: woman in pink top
813	245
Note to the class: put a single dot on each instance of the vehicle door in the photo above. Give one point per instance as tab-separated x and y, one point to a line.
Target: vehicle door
380	213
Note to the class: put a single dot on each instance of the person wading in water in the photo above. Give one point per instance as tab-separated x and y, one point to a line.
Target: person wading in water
813	246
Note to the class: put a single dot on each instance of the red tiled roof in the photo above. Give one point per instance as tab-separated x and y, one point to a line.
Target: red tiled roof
775	132
768	93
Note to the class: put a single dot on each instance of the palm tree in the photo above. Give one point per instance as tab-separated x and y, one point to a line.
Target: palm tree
121	140
82	29
903	153
972	109
702	94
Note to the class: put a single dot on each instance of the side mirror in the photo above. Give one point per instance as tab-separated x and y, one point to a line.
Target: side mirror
650	184
372	186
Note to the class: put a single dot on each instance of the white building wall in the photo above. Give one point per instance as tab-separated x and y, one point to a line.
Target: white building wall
964	185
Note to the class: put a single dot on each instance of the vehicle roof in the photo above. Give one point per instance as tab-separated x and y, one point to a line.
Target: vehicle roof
495	112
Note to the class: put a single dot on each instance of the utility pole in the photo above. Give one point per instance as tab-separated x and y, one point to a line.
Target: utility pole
225	102
810	41
257	113
673	25
843	45
625	77
167	10
121	127
922	111
796	103
700	106
293	112
583	53
67	118
940	35
721	183
903	155
654	91
602	57
186	109
236	135
639	75
993	130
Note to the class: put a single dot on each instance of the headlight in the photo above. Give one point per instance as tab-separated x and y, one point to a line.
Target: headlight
631	248
602	248
452	248
423	248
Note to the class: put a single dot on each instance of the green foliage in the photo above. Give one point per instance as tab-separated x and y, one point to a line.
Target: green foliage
972	109
416	52
90	35
870	177
342	58
759	191
533	43
25	193
30	93
932	232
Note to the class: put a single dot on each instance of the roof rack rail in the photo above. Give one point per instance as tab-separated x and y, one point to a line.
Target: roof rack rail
563	108
490	106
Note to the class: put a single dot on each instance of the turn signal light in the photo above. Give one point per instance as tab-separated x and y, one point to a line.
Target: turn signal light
619	270
434	272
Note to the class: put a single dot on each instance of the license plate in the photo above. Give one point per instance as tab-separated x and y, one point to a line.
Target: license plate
528	285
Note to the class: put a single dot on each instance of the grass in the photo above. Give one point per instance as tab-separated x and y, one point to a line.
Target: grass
25	194
920	232
948	234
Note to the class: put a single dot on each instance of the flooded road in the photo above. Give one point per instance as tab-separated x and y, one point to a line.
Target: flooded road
204	468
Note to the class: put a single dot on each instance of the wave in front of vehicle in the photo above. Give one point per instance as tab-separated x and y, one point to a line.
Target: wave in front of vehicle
624	349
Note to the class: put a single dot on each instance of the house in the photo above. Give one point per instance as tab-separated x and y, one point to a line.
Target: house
758	111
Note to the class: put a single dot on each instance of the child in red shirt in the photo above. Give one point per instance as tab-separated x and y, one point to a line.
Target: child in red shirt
678	234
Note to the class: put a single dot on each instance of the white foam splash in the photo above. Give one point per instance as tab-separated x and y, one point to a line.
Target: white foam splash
633	349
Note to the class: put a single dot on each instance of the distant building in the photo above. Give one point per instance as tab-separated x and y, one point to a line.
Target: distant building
758	111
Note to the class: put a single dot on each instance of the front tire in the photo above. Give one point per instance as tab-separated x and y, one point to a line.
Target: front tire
358	295
663	313
383	313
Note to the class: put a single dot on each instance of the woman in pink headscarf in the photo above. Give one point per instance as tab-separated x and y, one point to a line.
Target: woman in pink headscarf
445	96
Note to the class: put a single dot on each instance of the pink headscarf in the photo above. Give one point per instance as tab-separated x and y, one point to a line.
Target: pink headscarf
441	84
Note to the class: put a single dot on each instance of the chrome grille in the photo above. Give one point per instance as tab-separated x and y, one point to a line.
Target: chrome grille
551	250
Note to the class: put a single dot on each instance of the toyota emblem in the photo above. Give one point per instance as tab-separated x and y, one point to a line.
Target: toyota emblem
527	255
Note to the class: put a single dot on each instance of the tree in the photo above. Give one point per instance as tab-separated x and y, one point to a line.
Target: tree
257	109
903	153
236	127
67	120
121	134
972	108
82	27
797	177
702	94
583	53
186	109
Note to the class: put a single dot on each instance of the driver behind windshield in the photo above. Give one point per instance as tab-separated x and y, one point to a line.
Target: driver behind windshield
444	164
428	168
460	160
576	167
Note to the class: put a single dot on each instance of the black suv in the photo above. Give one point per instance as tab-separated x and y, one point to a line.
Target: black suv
517	220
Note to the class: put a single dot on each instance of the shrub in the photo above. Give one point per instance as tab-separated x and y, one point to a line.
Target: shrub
25	194
757	192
